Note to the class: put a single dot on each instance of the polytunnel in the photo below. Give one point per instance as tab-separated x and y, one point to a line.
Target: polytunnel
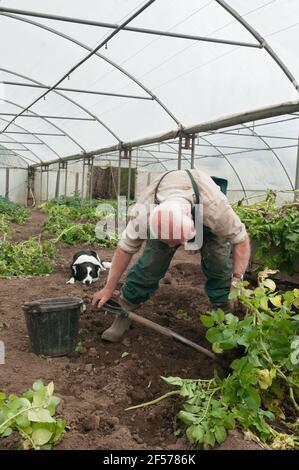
143	314
150	86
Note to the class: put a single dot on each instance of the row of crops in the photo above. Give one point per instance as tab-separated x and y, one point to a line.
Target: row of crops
70	220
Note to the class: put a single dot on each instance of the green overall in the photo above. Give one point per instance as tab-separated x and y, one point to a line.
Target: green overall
143	278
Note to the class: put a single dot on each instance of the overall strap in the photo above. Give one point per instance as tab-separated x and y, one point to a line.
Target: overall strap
194	185
156	200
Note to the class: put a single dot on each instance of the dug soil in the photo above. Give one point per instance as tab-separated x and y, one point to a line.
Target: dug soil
98	383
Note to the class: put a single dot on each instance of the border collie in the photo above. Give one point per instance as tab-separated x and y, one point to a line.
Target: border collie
86	267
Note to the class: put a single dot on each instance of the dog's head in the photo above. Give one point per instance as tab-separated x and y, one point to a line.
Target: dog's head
86	267
86	272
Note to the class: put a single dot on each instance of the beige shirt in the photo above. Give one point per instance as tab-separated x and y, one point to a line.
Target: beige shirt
217	213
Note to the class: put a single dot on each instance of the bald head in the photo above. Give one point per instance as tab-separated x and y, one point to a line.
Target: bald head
171	222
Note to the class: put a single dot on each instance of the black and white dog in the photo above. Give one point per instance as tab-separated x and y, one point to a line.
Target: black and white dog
86	267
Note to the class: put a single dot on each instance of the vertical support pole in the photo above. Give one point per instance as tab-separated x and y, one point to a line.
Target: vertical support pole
193	152
41	186
83	178
47	195
119	174
180	153
57	183
30	187
90	182
129	178
77	183
296	196
118	188
65	179
44	169
7	183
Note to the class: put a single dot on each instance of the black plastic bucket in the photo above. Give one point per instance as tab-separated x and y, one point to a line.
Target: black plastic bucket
53	325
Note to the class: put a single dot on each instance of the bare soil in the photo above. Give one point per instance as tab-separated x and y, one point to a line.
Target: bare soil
97	384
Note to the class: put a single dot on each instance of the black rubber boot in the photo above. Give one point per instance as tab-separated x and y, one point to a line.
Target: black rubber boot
116	331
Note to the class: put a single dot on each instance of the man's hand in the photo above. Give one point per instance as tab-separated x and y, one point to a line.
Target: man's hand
236	306
234	303
101	297
120	262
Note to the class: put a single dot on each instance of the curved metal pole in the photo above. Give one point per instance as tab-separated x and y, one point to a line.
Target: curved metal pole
35	114
15	74
82	61
20	156
223	156
273	151
150	153
66	98
227	160
27	132
109	61
182	153
261	40
14	154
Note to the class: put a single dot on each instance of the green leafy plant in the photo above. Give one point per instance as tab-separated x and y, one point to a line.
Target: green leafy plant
264	384
30	257
78	347
14	212
183	315
32	415
261	393
275	228
207	418
74	223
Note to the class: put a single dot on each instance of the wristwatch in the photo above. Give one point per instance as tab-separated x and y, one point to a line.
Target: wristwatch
237	277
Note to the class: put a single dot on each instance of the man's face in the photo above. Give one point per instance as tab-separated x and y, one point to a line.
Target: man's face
171	235
173	227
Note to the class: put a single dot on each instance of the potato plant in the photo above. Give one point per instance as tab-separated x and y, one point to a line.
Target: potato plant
32	416
261	392
263	384
13	212
75	220
275	228
27	258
